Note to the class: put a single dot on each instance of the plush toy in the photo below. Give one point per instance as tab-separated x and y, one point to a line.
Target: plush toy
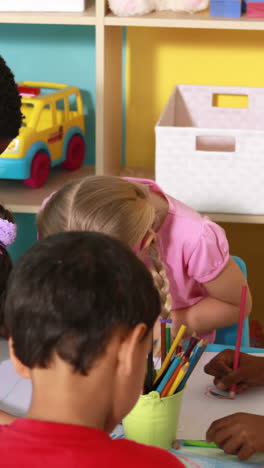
141	7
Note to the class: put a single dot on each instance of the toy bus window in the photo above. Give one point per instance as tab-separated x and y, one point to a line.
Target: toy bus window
27	110
73	105
45	119
60	111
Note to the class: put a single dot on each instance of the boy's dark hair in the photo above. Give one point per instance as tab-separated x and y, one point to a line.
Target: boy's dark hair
10	103
68	294
5	270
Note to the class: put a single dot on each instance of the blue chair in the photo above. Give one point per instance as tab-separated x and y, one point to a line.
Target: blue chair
227	335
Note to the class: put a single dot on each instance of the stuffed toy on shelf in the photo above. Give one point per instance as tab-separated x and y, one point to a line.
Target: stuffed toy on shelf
141	7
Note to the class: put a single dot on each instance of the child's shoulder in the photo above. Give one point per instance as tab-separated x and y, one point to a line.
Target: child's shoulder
184	211
139	455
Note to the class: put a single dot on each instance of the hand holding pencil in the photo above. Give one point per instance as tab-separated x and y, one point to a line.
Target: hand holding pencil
226	367
250	372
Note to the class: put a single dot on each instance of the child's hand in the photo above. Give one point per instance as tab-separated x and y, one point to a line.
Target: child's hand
249	374
240	434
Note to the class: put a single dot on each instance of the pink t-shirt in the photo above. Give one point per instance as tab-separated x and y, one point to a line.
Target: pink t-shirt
193	248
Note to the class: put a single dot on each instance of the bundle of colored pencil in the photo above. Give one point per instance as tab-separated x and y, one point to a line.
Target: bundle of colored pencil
177	365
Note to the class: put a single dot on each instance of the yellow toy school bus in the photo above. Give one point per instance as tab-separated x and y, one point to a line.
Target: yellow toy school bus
52	133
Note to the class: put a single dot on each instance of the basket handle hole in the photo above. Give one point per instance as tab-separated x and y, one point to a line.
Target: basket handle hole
232	101
226	144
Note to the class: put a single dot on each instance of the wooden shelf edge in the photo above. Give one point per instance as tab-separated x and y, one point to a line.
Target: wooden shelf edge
18	198
84	18
200	20
236	218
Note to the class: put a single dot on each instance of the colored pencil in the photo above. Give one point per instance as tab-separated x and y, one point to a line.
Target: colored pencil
179	349
192	343
149	377
175	367
195	357
168	338
198	443
171	351
172	378
178	379
163	340
243	301
174	364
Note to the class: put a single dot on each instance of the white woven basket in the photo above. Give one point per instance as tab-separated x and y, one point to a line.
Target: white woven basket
209	157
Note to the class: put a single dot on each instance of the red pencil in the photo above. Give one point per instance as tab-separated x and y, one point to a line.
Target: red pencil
163	340
243	301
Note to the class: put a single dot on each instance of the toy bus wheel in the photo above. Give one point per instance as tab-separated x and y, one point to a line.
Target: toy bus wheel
75	153
39	170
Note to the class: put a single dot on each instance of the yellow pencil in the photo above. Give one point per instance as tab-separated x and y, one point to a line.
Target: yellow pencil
178	379
171	351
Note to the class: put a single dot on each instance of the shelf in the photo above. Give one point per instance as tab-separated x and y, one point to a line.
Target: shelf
169	19
85	18
21	199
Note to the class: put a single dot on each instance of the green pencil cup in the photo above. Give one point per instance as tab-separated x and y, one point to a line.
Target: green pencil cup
154	420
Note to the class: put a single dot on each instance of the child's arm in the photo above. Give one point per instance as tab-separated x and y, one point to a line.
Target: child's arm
239	434
221	307
6	418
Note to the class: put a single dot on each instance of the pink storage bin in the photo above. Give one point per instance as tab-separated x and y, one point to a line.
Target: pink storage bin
212	158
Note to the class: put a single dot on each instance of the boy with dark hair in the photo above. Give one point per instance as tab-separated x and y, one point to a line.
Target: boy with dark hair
80	310
10	106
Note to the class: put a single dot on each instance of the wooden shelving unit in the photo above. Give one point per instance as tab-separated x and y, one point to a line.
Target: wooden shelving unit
108	29
200	20
88	17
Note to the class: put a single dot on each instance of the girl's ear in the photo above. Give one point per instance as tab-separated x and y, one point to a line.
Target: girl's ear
149	237
21	369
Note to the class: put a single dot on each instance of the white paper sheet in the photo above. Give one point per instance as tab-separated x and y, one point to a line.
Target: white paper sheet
199	410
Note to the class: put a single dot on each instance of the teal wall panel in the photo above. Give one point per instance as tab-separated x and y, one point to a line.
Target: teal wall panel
63	54
26	234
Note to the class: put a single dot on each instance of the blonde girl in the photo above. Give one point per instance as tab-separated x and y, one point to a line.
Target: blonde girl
199	283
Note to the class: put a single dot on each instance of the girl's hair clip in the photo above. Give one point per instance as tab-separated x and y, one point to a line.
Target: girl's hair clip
8	233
